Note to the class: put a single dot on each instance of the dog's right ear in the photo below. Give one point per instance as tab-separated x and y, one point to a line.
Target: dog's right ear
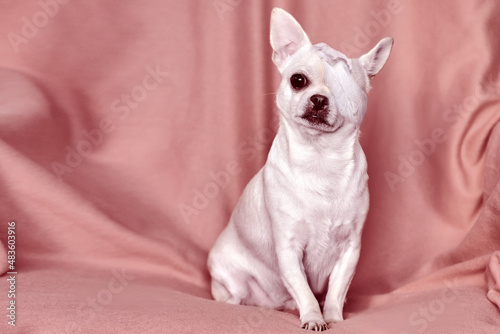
287	36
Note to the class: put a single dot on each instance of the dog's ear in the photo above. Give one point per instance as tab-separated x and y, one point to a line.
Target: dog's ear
287	36
375	59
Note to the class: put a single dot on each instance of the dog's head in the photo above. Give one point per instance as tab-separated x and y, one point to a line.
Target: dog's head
321	89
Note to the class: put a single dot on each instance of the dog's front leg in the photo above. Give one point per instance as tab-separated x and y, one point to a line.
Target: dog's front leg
294	278
339	281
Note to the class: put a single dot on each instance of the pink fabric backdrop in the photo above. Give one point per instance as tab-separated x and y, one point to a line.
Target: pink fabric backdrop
129	129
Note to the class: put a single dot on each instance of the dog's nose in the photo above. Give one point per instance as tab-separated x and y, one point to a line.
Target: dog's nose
319	102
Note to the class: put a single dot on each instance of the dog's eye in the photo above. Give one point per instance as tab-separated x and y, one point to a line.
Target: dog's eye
298	81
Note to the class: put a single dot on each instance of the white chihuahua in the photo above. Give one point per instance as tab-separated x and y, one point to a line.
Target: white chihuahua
295	233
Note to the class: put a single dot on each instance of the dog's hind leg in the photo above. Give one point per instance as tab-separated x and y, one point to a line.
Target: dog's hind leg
223	293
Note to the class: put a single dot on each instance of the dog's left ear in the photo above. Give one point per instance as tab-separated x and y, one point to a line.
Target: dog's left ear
374	60
287	36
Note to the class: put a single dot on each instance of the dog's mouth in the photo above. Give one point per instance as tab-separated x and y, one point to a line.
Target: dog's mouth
316	117
318	120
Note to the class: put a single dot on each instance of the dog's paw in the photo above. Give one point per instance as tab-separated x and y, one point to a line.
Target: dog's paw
313	322
315	326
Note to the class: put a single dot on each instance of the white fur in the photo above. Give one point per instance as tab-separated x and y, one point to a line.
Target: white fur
295	233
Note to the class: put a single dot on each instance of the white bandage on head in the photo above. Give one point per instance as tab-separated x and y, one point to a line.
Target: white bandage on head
349	99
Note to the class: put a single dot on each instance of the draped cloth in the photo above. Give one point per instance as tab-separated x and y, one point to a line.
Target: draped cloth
128	131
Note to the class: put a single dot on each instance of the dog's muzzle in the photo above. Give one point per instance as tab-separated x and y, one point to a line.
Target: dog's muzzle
317	111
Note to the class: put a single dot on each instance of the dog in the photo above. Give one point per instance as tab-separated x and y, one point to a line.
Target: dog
295	233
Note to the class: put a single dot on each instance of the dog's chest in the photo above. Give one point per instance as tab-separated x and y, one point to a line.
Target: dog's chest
329	215
325	189
326	243
318	200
